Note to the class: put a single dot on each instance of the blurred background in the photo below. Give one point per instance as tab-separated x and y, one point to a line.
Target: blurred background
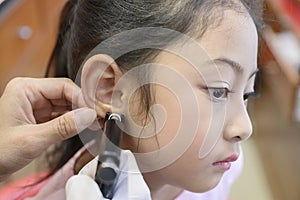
272	156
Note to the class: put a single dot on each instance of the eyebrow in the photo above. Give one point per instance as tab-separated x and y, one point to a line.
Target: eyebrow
235	65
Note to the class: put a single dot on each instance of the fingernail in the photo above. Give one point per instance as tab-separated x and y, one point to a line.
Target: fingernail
84	117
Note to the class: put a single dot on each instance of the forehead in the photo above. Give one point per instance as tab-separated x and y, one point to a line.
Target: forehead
235	38
233	25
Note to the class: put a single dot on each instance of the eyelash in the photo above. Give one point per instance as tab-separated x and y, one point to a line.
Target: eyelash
226	92
254	95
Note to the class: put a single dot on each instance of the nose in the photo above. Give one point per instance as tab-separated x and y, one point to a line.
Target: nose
238	126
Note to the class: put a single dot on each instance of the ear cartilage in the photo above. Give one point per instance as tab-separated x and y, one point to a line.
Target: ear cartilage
109	157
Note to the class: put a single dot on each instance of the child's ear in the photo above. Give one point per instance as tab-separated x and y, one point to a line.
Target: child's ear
100	74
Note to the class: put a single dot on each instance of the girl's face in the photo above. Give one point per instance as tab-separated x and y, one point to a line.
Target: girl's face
232	48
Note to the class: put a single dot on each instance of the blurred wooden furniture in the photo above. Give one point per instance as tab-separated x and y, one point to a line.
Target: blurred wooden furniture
288	11
282	77
28	30
276	133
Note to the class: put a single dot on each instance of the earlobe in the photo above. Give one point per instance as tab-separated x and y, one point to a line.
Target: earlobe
100	74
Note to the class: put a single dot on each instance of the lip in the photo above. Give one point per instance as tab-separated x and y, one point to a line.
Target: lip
226	163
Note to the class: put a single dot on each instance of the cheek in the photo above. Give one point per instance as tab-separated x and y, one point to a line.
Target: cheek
167	117
172	121
173	146
205	121
175	142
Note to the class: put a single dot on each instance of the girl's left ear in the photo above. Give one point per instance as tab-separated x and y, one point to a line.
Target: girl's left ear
100	74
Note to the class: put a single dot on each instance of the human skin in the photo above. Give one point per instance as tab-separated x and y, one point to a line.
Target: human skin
35	113
235	38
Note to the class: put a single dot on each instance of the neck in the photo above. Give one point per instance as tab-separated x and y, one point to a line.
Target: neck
160	189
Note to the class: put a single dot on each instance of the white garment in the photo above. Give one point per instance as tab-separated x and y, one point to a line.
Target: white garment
130	184
55	188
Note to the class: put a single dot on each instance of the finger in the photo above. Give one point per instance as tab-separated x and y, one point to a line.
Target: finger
50	111
52	103
60	102
95	126
51	116
31	93
67	125
52	89
57	88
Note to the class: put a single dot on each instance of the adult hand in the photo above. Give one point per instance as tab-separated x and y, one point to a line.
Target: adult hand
35	113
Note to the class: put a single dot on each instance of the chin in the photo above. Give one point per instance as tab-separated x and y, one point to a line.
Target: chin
204	186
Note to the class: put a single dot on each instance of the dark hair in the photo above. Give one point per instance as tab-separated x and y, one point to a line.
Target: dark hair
86	23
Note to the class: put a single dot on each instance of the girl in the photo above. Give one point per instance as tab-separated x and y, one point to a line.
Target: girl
180	72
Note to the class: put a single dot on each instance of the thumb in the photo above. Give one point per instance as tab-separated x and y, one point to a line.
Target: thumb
67	125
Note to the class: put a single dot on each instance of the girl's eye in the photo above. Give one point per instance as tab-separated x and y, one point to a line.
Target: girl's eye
218	93
251	94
